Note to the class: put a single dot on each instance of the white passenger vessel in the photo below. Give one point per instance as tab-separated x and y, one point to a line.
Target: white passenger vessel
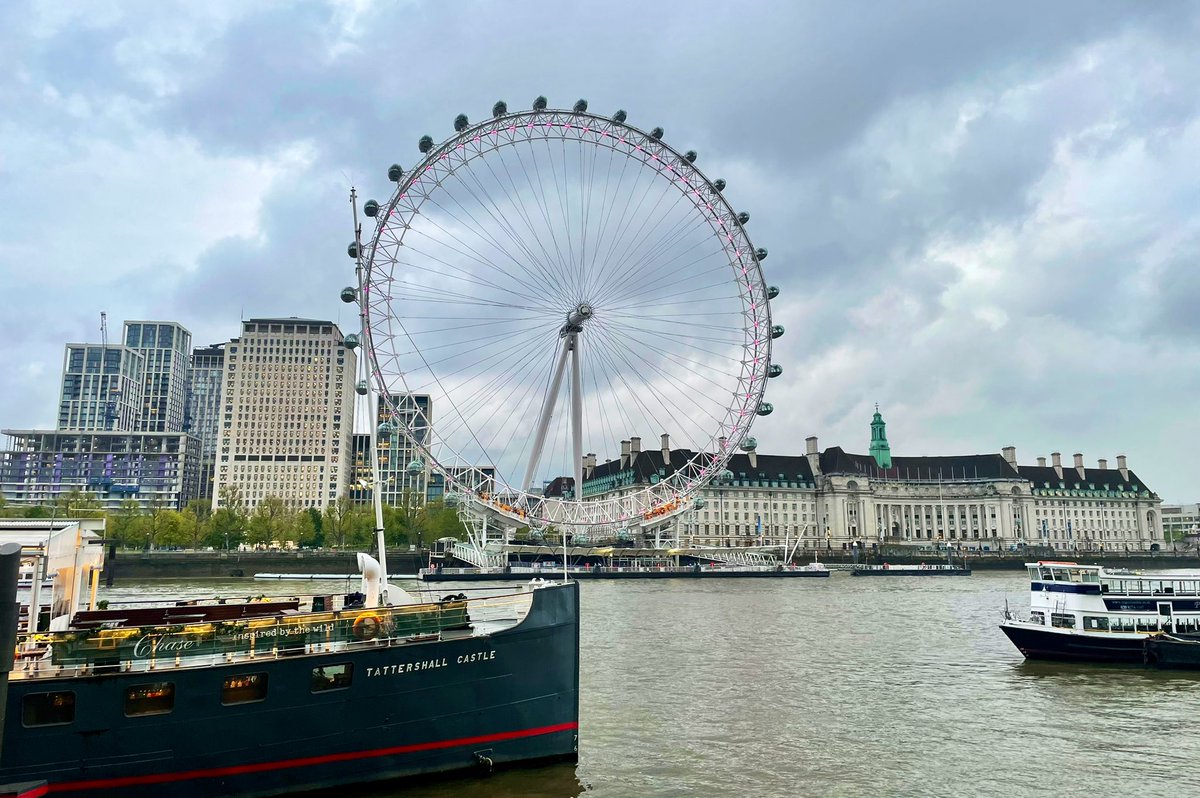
1096	614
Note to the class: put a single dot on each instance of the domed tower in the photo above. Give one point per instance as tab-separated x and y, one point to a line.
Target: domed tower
879	442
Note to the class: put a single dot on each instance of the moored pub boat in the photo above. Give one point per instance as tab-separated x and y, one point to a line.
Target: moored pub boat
374	686
1090	613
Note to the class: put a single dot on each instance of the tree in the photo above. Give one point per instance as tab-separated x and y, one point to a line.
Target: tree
440	521
269	522
76	503
194	522
338	520
125	524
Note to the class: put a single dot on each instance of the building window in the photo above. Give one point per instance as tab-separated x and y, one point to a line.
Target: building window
48	709
150	699
332	677
244	689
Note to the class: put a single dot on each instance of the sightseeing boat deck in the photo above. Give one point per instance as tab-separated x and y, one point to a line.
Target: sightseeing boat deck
1092	613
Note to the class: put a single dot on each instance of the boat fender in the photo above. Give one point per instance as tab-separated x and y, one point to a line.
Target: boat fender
366	626
484	761
454	597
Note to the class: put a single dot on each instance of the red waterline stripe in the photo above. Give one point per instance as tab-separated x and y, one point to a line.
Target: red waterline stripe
238	770
36	792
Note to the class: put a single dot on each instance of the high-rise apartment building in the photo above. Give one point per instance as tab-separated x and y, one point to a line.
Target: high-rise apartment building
287	413
101	388
165	347
403	474
155	469
203	411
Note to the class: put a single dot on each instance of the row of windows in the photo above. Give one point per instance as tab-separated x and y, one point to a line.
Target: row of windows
158	698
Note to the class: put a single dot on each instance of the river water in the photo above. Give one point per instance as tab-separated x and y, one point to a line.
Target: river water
833	687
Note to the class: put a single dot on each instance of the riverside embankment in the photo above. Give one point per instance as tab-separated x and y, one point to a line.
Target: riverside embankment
137	565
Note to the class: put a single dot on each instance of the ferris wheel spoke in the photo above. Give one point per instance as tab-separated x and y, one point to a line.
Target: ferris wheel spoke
632	256
535	265
658	301
653	343
544	206
630	354
654	279
618	243
608	207
543	262
473	279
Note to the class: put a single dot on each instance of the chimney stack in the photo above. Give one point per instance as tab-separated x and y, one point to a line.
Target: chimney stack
1124	469
813	456
666	448
624	454
635	446
1079	466
1103	464
1056	460
1010	455
589	465
723	442
753	455
1041	462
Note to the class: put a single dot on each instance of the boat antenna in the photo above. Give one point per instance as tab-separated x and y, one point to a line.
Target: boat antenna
372	402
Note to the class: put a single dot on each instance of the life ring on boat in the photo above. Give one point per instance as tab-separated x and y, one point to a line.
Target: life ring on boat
366	626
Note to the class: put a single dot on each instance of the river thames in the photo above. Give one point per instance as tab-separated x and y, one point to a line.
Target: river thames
831	687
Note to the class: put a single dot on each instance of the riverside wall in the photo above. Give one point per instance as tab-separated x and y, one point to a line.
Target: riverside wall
133	566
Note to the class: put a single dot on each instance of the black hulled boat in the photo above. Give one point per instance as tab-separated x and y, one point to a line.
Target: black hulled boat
295	701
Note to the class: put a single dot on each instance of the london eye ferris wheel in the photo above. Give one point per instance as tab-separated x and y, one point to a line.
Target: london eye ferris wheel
558	282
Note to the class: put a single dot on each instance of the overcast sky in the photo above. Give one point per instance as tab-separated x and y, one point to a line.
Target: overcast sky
984	217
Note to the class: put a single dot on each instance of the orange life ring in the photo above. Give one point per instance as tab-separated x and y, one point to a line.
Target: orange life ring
366	626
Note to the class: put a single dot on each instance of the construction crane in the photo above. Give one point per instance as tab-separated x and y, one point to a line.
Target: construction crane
114	394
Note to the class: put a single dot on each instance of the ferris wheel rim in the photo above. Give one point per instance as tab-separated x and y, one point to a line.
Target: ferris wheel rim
477	141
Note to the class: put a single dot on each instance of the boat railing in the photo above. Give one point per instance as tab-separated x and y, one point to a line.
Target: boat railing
118	649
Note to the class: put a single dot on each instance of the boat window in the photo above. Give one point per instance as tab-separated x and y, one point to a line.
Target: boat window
1038	618
1047	574
48	709
1034	576
150	699
244	688
1091	577
332	677
1062	620
1091	622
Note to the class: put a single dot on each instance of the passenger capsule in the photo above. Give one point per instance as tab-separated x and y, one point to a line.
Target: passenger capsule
656	134
727	475
500	108
775	370
743	217
425	144
580	106
395	173
776	330
540	103
750	444
690	156
461	123
415	466
620	116
699	503
349	295
361	388
352	249
371	208
772	291
385	430
351	341
719	184
760	254
765	409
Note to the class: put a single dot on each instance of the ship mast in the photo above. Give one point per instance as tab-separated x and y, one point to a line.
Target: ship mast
372	401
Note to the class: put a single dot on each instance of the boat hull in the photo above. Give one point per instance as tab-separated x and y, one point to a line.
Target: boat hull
1173	652
477	701
1048	643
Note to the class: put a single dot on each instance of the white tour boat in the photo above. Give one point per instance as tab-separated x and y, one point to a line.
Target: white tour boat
1096	614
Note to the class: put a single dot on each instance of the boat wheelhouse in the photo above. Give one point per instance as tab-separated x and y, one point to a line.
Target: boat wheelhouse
1092	613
